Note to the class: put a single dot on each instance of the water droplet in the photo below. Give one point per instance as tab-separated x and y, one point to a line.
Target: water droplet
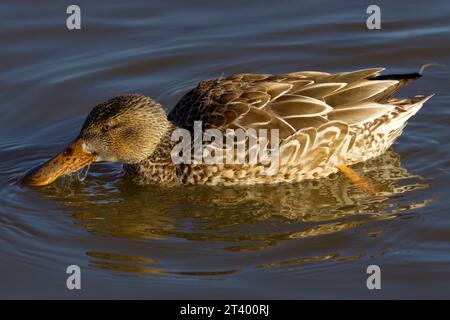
82	173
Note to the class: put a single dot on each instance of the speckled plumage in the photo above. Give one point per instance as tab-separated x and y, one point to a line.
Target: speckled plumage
325	120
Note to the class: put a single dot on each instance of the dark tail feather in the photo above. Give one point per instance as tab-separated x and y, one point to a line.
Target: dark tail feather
405	76
403	80
408	77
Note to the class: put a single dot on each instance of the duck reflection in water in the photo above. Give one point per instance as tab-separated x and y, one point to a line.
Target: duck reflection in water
239	218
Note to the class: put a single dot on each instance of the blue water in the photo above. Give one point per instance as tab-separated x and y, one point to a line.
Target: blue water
309	240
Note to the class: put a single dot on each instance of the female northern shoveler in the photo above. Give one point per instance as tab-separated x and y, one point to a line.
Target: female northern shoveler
325	122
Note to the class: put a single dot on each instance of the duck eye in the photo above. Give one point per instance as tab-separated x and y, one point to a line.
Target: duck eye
105	128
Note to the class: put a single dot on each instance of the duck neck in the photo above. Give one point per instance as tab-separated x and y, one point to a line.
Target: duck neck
162	153
158	168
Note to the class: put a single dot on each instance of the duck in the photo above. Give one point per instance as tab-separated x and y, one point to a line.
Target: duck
325	123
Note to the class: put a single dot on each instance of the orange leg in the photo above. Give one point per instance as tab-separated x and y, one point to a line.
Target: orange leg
357	180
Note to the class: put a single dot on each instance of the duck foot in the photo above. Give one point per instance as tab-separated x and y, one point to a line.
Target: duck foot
362	183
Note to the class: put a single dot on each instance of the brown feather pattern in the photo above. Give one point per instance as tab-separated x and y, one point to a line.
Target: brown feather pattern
324	120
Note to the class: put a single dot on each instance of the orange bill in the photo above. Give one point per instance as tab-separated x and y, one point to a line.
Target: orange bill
72	158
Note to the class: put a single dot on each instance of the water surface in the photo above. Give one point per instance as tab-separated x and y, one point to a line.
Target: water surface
307	240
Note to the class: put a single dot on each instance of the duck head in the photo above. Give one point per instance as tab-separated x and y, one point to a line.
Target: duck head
124	129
